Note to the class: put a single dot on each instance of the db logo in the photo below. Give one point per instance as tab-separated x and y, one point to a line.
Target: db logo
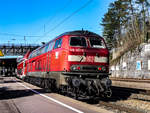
90	59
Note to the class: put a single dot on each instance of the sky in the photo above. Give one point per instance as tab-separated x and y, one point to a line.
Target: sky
36	21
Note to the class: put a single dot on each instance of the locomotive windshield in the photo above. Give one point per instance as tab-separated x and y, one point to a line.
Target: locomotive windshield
96	42
77	41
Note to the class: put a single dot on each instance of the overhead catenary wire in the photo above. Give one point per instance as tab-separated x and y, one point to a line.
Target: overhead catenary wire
68	17
52	18
12	36
52	29
65	19
18	35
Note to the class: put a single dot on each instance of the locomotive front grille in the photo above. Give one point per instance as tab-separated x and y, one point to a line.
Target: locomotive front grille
89	68
84	68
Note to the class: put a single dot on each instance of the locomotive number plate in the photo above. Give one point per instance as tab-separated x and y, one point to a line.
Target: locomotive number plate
90	59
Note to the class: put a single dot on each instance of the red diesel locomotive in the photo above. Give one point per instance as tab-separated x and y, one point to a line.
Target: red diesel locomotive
75	62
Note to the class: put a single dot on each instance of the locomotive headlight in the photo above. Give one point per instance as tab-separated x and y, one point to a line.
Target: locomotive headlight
75	68
78	68
103	68
99	68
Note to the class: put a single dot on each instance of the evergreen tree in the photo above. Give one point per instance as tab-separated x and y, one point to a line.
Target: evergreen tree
114	20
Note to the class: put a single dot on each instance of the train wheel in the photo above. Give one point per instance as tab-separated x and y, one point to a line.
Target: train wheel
42	83
62	90
107	94
76	93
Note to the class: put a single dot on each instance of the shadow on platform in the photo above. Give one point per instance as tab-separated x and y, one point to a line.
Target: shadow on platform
12	81
6	93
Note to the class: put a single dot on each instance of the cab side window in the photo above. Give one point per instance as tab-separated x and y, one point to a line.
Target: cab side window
58	43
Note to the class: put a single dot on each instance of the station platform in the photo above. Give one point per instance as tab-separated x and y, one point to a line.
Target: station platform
131	83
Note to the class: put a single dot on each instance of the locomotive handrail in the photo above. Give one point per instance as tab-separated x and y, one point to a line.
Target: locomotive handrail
83	73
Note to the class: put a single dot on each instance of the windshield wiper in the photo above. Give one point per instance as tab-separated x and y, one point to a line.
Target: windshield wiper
81	58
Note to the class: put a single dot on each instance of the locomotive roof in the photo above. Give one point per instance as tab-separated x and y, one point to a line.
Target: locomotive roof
77	32
80	32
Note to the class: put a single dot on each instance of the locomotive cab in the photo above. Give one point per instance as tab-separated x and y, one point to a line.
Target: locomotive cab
87	66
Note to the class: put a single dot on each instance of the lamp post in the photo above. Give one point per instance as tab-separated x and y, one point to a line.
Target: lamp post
25	40
8	42
13	40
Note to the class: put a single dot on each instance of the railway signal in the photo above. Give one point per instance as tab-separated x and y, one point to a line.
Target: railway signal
1	53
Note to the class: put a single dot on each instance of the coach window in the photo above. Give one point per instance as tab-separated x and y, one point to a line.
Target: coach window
51	45
39	52
30	55
36	53
46	48
42	50
77	41
58	43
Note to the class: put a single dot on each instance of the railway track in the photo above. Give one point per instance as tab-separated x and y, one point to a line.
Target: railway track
127	100
127	106
131	80
118	108
123	100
